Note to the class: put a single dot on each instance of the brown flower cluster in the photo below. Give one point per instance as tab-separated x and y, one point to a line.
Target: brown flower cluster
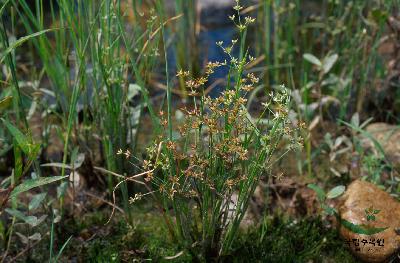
195	85
219	140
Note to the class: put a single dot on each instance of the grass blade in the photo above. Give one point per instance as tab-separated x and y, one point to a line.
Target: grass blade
23	40
32	183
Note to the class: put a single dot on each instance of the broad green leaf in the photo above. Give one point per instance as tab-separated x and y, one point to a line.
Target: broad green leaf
36	236
21	139
318	190
40	220
34	149
61	189
78	160
335	192
329	210
32	183
328	63
312	59
31	220
362	229
27	146
36	201
24	239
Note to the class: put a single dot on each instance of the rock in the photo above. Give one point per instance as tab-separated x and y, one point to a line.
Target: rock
388	137
359	196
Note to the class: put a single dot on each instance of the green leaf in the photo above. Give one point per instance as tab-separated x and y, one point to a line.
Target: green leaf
36	201
25	143
61	189
312	59
32	183
318	190
329	210
362	229
21	139
335	192
31	220
328	63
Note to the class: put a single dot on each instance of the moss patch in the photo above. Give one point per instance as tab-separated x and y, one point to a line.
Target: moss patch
278	239
146	238
283	240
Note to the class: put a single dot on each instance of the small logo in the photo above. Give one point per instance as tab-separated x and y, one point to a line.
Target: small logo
370	245
370	213
365	229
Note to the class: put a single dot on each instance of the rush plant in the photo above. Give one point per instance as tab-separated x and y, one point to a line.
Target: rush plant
206	175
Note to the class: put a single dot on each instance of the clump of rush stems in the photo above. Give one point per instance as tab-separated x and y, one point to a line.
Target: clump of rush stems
222	151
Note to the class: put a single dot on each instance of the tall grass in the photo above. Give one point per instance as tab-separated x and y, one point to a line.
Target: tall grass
89	60
97	57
